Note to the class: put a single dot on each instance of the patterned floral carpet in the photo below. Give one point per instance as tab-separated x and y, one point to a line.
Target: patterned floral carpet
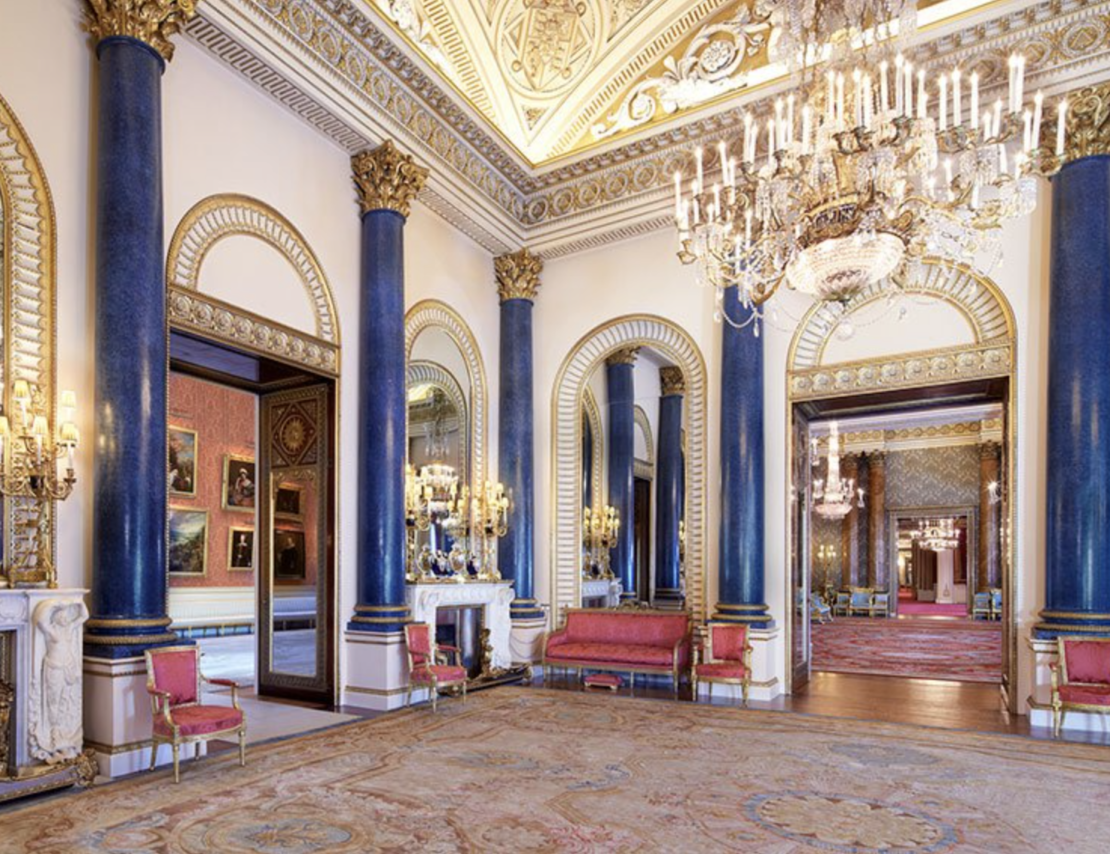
520	769
965	650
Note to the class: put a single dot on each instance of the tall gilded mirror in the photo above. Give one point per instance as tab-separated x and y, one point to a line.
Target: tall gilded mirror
633	492
37	465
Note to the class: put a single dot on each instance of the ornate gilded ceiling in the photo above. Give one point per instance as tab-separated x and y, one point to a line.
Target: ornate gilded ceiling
558	124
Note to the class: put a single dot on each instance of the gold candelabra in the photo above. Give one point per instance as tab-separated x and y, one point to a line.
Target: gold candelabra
29	470
826	554
491	515
599	535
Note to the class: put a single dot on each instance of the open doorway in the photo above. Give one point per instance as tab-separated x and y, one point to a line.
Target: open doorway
251	528
901	507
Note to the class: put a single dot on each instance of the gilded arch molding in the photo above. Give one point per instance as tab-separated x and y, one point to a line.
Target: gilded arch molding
436	314
975	296
593	415
230	215
27	274
566	439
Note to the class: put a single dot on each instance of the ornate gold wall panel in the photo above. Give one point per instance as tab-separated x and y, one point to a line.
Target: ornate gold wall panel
27	272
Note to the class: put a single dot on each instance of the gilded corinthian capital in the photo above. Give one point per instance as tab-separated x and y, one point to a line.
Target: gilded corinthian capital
671	381
149	21
386	179
623	356
1087	123
518	275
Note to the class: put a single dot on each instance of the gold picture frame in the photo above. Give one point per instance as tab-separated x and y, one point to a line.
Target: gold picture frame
285	505
187	529
239	491
174	464
237	550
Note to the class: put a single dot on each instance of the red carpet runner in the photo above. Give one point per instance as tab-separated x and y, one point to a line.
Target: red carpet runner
963	650
931	609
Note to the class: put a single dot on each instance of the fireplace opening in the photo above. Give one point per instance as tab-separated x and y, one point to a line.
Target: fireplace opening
461	626
7	704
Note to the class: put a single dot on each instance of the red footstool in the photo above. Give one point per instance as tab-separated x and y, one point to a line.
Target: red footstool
603	680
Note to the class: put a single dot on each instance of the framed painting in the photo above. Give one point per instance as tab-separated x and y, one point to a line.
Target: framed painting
188	541
289	556
240	549
181	447
288	502
239	483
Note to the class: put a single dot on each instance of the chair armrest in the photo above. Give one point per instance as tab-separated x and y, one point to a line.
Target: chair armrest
160	704
226	683
444	652
1054	673
747	659
555	638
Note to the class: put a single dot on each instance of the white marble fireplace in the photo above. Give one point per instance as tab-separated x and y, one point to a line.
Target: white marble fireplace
493	597
47	630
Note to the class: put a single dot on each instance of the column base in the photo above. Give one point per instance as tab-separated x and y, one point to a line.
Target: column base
668	599
756	616
526	640
765	684
383	619
117	717
1056	623
377	671
123	638
526	609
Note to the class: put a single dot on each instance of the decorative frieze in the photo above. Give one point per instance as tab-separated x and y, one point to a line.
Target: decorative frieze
149	21
518	275
386	179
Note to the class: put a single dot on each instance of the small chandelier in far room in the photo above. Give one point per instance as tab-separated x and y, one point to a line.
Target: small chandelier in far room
870	165
835	496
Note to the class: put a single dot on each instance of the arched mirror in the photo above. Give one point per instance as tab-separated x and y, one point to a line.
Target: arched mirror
633	481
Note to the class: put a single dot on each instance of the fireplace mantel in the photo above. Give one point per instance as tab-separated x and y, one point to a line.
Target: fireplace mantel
47	680
493	597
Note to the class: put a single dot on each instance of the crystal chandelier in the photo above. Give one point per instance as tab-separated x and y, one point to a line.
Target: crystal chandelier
834	497
939	535
871	164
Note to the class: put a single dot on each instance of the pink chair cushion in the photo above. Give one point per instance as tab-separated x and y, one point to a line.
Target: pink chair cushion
616	627
176	673
199	720
613	653
442	672
728	642
721	670
1087	661
1091	695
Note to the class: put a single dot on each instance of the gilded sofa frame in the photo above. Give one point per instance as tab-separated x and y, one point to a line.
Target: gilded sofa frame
744	682
160	706
1059	675
631	670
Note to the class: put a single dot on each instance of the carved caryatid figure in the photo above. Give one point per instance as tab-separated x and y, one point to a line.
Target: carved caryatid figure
55	723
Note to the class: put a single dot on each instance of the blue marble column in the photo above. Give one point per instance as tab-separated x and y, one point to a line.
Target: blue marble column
518	281
740	579
621	393
128	600
387	182
1077	534
668	485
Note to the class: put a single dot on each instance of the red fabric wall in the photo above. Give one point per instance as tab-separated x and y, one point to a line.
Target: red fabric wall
224	420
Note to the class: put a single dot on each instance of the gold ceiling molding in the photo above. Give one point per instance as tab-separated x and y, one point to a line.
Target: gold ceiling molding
567	396
985	432
518	275
149	21
233	215
386	179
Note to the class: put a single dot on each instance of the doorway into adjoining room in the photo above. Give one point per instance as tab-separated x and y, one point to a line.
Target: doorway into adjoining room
251	529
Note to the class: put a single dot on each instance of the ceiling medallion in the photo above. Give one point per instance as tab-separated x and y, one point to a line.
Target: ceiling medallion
546	44
869	166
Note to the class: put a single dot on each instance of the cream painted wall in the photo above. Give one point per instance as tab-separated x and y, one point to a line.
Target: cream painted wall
241	142
238	142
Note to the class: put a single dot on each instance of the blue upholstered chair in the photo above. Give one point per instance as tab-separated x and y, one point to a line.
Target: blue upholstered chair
819	609
860	601
842	603
981	606
996	603
880	605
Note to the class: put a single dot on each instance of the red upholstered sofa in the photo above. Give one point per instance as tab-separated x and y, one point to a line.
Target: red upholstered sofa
627	641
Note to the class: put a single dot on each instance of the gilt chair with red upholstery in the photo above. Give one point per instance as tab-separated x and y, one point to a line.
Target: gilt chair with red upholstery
723	656
1080	678
173	680
428	665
